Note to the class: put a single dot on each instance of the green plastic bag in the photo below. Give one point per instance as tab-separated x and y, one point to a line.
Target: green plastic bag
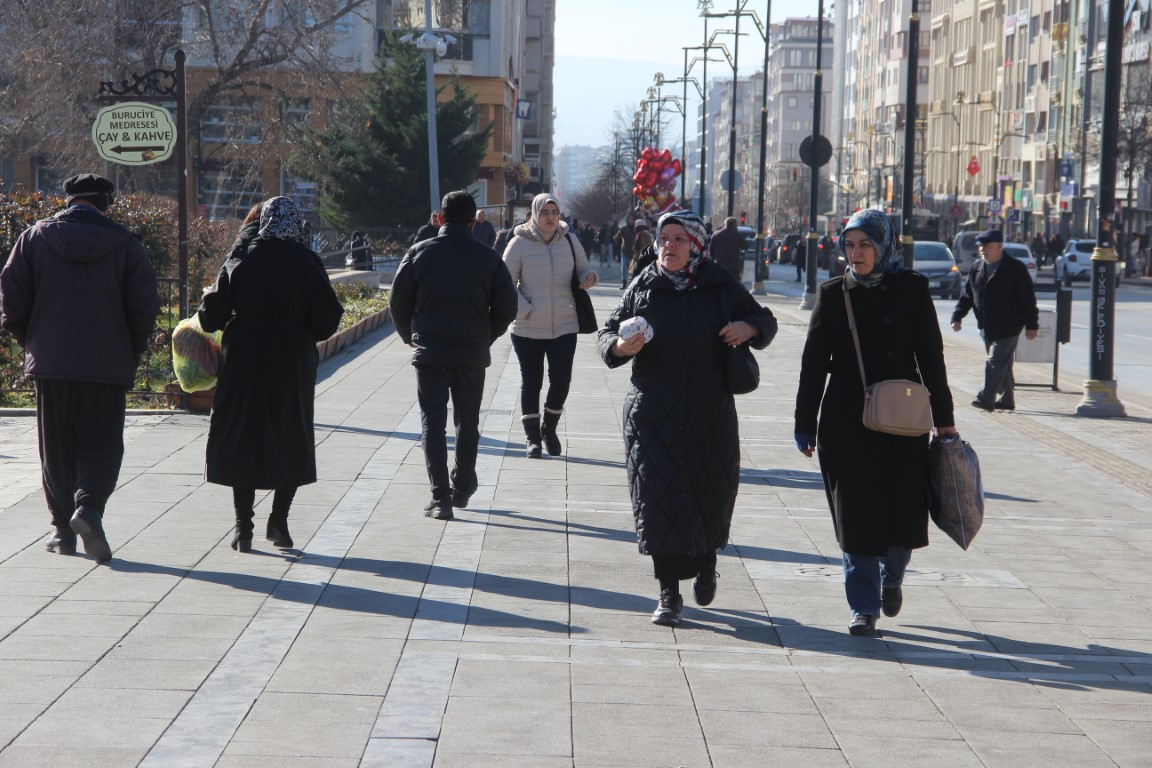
195	355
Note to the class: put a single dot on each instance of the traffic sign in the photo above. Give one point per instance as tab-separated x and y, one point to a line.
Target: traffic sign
994	205
134	133
1014	216
737	181
973	166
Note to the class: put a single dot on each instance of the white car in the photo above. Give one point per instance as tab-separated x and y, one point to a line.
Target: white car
1076	261
1022	253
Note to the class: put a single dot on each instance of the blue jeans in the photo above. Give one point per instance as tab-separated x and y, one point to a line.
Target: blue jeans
625	263
866	575
998	380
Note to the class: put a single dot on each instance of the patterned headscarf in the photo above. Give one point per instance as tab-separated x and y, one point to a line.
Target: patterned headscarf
280	219
697	236
538	204
877	226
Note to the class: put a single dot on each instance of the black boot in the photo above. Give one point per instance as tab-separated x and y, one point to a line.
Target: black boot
532	432
242	499
277	531
548	431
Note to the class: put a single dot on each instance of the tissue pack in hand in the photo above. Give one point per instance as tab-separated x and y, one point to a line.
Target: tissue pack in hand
634	326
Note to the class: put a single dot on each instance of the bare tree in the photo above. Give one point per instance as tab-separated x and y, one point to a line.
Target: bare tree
268	54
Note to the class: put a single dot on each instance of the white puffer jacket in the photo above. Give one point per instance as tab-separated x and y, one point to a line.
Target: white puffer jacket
542	273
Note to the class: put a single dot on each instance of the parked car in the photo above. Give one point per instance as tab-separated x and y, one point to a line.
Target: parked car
965	250
1076	261
1022	253
935	261
789	248
749	235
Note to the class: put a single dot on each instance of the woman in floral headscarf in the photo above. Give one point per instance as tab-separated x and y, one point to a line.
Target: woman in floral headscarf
273	301
681	435
876	483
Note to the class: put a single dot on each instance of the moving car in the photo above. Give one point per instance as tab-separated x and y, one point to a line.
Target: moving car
789	249
1022	253
935	261
1076	261
965	250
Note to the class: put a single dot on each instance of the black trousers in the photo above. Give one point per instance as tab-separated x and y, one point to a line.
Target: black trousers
531	353
81	433
465	385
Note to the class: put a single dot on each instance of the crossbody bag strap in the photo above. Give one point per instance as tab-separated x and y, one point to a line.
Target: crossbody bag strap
855	338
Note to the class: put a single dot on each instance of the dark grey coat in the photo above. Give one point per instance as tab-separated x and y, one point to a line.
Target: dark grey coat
681	437
877	484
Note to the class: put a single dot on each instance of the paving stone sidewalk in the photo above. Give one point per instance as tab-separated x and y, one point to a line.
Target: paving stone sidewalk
518	634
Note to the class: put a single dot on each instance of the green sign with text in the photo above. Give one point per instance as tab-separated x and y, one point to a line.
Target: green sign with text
134	133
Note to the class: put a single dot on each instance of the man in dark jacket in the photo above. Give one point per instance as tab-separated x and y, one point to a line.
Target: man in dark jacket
1000	291
451	298
483	231
79	296
727	248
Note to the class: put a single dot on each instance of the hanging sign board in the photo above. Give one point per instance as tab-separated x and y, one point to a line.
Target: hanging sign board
134	133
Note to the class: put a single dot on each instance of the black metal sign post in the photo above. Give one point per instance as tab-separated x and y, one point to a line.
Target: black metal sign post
1100	391
162	85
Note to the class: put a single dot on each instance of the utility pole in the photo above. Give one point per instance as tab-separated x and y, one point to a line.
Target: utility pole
1100	391
911	113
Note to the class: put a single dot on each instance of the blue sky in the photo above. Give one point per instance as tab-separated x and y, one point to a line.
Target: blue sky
608	51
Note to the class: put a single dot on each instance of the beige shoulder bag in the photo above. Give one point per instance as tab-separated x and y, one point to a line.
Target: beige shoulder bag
894	406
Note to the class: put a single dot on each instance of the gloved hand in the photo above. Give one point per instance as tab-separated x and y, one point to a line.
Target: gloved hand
805	443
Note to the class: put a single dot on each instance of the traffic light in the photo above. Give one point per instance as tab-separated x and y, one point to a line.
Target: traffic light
795	174
743	218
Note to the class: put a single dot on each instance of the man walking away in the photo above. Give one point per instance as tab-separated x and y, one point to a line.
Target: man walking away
727	248
1000	292
451	298
79	296
626	239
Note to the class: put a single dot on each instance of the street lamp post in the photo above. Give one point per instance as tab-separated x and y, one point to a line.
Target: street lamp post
735	62
431	45
1100	391
809	299
683	107
704	6
910	114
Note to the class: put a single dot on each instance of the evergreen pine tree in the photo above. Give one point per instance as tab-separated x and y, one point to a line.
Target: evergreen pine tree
371	162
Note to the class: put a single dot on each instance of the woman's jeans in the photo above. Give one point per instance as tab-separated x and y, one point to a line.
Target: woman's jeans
531	353
866	575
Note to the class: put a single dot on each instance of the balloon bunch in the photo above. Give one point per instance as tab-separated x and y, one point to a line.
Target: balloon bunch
655	180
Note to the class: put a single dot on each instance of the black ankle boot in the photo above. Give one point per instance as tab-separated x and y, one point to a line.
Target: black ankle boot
277	531
242	536
548	431
532	440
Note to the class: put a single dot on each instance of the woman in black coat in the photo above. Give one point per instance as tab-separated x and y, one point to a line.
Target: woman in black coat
681	436
876	483
273	300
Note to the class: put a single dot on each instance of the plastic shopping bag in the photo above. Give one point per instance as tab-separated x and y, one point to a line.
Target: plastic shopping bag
956	499
195	355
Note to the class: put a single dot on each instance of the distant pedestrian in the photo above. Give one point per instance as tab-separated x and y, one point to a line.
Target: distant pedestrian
1000	292
273	300
727	248
681	431
644	250
1055	246
541	259
79	295
482	230
428	230
503	237
626	240
1039	248
451	298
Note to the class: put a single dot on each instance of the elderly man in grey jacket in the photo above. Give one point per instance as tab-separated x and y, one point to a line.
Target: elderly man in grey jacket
79	295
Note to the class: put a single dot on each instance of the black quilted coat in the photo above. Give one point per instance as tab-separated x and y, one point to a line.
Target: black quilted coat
680	431
877	484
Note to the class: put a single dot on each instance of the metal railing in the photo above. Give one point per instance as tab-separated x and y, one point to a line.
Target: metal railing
152	376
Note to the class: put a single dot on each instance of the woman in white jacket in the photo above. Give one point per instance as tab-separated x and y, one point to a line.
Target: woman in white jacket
541	258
